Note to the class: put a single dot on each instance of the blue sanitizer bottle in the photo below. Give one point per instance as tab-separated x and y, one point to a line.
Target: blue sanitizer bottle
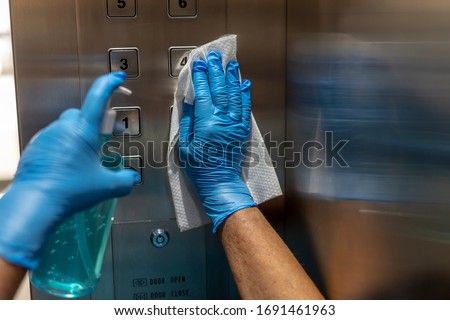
73	256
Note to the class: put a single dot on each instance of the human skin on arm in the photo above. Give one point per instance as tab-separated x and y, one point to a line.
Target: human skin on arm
11	276
262	265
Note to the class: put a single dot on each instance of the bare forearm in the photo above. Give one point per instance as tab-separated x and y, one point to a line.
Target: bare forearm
10	278
262	265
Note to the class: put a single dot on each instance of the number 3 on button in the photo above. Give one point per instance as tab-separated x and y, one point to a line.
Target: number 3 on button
124	65
183	3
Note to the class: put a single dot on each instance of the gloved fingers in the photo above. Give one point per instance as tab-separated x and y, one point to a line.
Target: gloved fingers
246	103
119	128
216	78
203	100
234	91
186	124
120	183
99	94
47	131
33	138
70	114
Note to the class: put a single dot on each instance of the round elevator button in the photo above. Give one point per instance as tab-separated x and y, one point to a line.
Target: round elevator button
160	238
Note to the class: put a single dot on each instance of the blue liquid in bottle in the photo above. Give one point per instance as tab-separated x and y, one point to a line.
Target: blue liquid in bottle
73	256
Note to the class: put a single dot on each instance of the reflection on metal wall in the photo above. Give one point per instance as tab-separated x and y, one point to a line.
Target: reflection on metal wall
375	75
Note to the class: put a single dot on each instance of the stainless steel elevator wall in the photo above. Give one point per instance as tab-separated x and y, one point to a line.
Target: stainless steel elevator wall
61	47
375	74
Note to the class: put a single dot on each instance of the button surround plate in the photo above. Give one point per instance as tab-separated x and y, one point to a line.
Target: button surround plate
134	121
160	238
135	163
175	11
124	59
176	56
121	9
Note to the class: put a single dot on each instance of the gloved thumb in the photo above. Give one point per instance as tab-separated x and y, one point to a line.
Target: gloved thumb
121	182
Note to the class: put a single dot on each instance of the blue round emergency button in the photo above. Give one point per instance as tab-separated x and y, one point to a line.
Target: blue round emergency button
160	238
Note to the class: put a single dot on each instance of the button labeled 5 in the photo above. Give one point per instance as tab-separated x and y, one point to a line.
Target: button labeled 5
121	8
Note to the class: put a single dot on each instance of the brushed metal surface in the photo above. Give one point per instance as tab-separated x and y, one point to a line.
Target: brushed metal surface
121	8
182	9
60	48
45	62
152	32
129	119
178	57
374	73
124	59
145	272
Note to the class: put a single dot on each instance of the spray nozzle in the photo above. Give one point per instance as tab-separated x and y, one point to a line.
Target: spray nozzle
109	116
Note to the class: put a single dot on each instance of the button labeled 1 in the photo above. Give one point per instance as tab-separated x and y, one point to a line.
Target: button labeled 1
178	57
129	119
121	8
124	59
134	163
182	8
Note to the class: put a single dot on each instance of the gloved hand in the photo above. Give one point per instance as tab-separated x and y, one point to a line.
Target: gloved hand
212	138
60	174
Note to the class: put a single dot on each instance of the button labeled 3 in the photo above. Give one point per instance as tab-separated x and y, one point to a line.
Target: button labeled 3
124	59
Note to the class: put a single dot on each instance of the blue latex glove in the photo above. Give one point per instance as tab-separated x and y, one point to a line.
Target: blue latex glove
60	174
212	139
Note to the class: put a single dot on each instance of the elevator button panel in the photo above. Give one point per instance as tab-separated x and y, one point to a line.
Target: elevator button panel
159	262
129	119
134	163
178	57
121	8
124	59
182	8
